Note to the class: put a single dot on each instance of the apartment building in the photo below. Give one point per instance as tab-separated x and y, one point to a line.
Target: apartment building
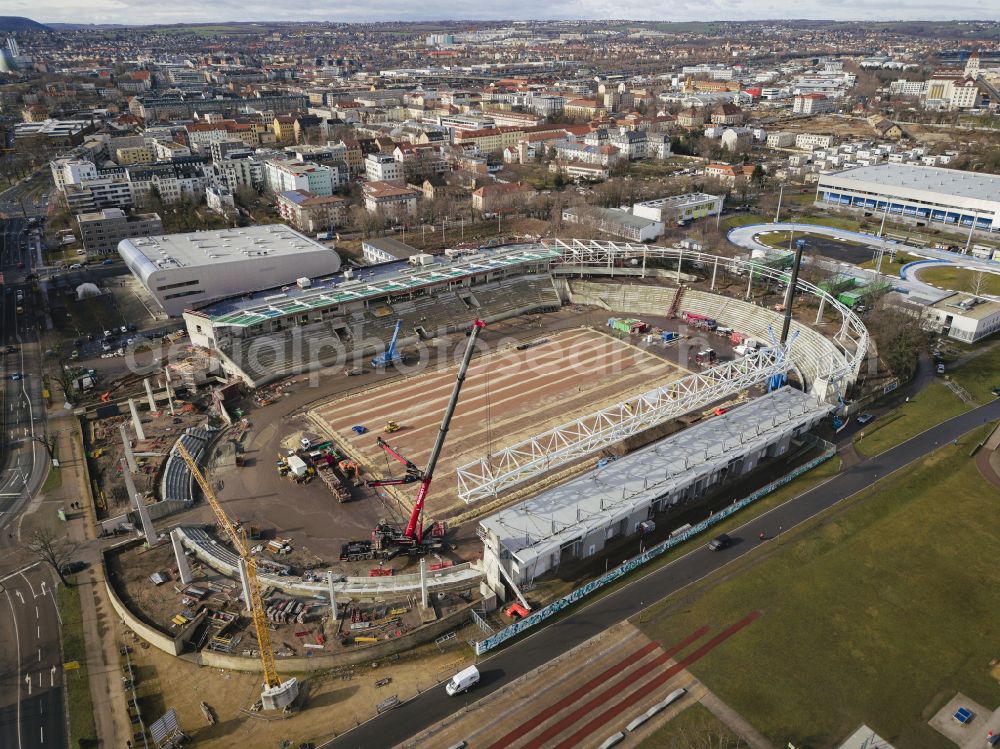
780	140
282	175
812	141
501	196
312	213
103	230
729	174
814	103
388	199
383	167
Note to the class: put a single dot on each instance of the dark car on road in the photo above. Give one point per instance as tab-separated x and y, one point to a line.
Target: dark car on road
71	568
720	542
865	418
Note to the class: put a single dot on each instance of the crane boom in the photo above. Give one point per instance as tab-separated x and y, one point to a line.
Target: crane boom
256	602
416	525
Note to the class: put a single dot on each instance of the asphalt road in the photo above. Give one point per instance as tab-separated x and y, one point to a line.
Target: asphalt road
31	673
547	642
28	198
23	460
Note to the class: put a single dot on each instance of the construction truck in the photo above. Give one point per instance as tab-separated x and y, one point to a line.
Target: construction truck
333	482
390	427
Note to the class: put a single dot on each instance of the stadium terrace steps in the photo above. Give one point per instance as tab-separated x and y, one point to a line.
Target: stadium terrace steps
350	340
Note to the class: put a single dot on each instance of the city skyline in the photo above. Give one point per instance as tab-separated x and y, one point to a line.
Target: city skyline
143	12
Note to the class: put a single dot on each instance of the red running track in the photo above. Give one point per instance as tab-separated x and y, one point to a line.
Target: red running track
590	728
602	698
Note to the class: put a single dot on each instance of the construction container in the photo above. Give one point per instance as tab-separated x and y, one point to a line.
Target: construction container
297	466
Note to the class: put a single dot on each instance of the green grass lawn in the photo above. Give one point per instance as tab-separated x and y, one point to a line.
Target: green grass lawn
980	375
836	222
81	708
890	267
744	219
931	406
958	279
53	479
879	613
696	726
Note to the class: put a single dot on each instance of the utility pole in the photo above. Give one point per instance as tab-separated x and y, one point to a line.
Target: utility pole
781	193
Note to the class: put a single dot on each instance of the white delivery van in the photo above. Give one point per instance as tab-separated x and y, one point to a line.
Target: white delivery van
462	681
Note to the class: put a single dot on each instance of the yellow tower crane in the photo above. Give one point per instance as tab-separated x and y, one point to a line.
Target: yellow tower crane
256	602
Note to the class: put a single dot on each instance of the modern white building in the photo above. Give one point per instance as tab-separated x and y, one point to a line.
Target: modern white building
283	175
922	193
383	167
814	103
183	270
616	222
578	519
685	207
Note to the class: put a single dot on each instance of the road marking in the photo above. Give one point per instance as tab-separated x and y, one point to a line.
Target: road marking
52	677
17	641
39	655
30	586
19	596
36	612
27	680
41	734
39	631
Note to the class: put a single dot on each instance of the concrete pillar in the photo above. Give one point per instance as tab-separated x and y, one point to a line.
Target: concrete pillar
424	600
140	507
136	421
245	581
183	568
819	312
170	394
149	395
334	614
749	281
129	455
715	269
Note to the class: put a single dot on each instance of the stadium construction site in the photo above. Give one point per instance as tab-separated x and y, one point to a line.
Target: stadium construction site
567	397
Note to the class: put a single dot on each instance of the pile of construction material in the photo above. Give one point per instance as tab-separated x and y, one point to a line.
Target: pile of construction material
287	610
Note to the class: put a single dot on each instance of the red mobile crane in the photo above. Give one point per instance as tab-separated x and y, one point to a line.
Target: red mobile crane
389	541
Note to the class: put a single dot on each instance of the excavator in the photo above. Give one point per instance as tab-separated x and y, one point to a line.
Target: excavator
389	541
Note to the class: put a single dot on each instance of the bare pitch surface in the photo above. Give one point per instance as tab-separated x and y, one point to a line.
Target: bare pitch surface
508	396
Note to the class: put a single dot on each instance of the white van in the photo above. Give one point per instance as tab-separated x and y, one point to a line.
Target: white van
462	681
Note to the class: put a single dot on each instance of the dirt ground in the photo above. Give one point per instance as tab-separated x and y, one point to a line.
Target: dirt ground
332	701
508	396
105	453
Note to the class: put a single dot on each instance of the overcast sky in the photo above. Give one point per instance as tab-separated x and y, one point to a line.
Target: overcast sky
184	11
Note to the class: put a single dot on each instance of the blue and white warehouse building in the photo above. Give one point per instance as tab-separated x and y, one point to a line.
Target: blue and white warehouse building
921	193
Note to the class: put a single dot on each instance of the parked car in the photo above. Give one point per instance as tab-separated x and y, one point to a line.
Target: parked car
15	376
720	542
76	266
940	368
865	418
71	568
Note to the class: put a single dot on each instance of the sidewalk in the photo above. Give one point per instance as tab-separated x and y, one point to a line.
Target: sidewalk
102	631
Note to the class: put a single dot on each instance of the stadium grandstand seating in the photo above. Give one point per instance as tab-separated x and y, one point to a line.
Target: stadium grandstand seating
178	483
350	339
812	351
639	299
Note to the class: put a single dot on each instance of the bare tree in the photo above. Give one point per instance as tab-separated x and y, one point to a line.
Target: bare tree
977	282
50	549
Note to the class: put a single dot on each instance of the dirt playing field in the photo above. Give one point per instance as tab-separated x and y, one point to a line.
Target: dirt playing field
508	396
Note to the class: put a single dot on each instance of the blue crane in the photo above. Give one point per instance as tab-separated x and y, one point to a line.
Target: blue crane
778	380
391	356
